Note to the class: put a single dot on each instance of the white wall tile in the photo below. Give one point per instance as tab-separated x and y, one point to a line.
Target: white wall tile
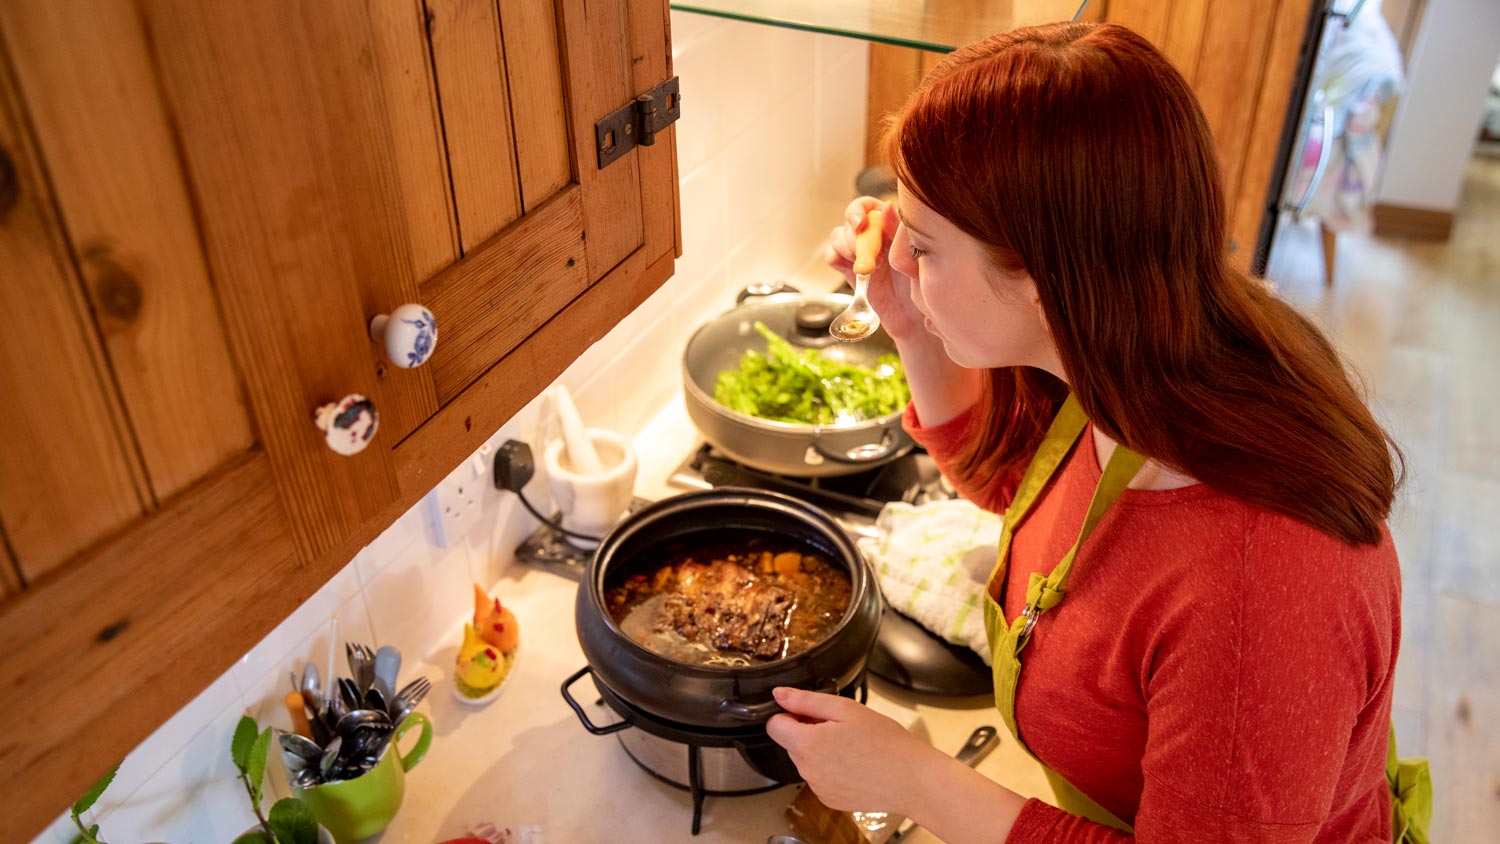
398	599
195	797
306	622
153	754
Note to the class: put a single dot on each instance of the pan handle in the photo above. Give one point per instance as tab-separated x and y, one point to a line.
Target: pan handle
867	453
762	711
578	709
763	288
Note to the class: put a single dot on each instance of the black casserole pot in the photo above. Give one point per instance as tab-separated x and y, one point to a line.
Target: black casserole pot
718	697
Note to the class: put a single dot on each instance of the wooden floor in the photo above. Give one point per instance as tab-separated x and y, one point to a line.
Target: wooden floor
1421	323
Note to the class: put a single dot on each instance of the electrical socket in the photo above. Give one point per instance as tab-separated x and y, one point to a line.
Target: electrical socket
454	506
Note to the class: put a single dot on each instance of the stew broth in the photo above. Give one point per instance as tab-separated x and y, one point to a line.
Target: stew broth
738	601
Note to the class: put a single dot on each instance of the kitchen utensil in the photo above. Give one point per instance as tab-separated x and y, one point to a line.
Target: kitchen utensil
298	712
859	320
714	696
301	746
312	691
335	712
786	448
349	693
361	665
785	839
591	504
387	669
407	699
375	700
980	743
361	717
363	806
329	692
581	454
330	756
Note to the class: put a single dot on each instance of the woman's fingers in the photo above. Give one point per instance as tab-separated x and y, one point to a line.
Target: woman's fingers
814	705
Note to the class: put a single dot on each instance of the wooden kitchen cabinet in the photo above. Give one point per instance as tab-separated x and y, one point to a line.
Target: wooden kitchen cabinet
203	206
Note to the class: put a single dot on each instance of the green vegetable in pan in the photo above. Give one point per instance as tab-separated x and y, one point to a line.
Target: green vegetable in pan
788	384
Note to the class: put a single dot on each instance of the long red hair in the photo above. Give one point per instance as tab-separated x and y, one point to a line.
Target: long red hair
1077	154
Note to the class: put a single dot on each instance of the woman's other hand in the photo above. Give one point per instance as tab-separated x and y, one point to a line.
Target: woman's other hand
890	291
853	758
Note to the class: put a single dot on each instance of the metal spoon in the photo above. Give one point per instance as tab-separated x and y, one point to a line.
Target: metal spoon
361	718
301	747
330	756
312	692
859	320
375	700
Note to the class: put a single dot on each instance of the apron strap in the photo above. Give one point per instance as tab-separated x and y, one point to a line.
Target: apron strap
1045	592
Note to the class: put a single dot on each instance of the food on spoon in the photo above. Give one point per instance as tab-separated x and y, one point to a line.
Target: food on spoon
747	598
806	386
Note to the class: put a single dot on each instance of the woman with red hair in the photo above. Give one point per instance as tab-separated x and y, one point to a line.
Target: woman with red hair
1179	455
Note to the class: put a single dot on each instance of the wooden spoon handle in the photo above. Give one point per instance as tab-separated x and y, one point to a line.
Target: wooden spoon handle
867	243
294	708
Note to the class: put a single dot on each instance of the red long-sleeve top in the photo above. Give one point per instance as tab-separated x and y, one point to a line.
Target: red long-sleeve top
1218	672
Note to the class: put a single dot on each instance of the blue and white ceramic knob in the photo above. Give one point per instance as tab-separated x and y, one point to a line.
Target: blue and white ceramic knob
348	424
408	334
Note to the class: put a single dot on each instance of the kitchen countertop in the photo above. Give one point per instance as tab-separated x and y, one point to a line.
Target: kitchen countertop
524	760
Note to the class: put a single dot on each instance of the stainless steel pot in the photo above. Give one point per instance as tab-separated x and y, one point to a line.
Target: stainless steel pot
785	448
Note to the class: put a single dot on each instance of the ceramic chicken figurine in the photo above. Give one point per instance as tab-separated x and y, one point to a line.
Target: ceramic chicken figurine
489	649
494	623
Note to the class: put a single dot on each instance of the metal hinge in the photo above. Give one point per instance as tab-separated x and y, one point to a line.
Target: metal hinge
636	123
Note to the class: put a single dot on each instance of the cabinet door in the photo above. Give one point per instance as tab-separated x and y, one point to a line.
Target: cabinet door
349	157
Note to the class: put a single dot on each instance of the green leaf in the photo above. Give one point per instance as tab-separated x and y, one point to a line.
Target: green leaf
239	747
293	823
88	800
254	836
255	769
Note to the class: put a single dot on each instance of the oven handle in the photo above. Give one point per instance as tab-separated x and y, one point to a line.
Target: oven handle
578	709
762	711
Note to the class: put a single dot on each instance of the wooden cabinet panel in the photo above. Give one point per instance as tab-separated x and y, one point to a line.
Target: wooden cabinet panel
600	80
300	208
498	295
321	188
68	470
87	75
149	621
469	60
405	68
533	64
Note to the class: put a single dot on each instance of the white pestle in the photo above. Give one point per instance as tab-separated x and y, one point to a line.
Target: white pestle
582	457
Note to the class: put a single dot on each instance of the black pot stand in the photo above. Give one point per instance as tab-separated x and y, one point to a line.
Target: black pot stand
759	752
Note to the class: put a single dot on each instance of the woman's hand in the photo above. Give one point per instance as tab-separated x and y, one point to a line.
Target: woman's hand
890	291
857	760
853	758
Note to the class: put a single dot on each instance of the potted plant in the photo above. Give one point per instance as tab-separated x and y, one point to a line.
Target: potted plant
290	820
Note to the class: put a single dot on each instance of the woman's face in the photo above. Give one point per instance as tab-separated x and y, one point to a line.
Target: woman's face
985	318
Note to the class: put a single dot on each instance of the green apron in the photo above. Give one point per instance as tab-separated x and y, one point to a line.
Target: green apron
1411	803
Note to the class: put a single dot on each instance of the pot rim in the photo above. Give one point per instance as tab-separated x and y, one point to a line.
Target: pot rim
722	495
690	384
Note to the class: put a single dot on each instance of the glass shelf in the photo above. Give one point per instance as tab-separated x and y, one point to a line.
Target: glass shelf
940	25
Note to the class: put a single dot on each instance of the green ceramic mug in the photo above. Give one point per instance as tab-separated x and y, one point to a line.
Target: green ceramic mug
356	809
